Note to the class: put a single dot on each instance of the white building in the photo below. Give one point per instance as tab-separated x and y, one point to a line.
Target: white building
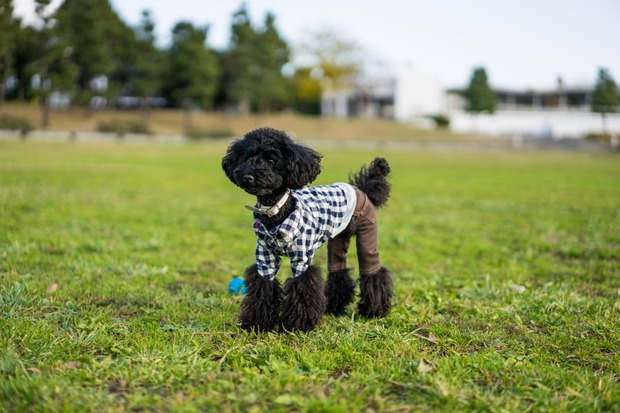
557	113
404	97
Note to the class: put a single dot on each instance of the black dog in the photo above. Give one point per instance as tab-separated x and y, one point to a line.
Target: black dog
293	220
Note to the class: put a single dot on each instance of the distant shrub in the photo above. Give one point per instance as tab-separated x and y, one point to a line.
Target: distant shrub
600	137
215	133
603	138
441	121
123	127
23	125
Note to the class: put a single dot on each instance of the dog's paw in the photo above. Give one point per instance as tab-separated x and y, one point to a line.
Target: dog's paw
376	293
304	301
340	292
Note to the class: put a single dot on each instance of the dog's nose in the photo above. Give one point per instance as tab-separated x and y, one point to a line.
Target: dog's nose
248	178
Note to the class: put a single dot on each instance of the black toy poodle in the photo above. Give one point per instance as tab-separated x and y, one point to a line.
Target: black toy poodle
293	220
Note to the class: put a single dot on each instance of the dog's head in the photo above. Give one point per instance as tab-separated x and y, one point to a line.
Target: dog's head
267	159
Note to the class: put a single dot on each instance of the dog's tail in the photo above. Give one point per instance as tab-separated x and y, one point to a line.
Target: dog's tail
372	180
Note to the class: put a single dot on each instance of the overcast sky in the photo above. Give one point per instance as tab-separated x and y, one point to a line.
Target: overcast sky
522	43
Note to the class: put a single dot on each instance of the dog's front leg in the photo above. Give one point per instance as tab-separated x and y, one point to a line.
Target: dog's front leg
304	301
260	307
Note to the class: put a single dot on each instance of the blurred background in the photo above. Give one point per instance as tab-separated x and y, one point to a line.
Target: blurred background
509	69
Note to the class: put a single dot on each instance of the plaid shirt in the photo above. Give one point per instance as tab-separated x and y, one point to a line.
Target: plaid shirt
321	212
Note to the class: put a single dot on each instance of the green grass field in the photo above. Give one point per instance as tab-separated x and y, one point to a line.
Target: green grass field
115	260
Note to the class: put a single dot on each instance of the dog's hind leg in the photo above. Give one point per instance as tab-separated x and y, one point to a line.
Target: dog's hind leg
260	307
340	286
304	301
376	293
340	291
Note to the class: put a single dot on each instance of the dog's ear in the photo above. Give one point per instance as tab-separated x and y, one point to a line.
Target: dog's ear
303	165
229	161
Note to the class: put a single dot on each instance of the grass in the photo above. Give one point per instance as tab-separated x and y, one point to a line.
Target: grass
115	257
175	122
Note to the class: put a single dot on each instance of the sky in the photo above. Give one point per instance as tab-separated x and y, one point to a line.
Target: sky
522	44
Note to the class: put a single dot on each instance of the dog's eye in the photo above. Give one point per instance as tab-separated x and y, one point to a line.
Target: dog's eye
271	161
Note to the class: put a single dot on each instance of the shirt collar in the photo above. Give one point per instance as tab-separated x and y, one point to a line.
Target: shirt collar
270	210
290	228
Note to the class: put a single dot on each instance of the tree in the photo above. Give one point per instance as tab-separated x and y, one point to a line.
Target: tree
241	65
272	53
123	55
55	70
102	44
605	96
336	60
253	65
7	40
26	53
147	74
82	25
193	70
479	95
307	91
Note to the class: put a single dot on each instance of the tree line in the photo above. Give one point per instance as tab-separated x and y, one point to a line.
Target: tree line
84	48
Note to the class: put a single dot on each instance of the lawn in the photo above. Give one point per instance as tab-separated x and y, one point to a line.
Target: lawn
115	259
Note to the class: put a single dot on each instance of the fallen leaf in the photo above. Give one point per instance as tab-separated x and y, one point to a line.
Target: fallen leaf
72	364
163	321
118	387
431	338
33	370
52	288
518	288
425	366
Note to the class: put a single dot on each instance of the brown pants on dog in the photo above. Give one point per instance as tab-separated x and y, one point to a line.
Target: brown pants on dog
366	236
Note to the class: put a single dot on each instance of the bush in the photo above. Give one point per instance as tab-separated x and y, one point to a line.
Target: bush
23	125
441	121
123	127
603	138
198	133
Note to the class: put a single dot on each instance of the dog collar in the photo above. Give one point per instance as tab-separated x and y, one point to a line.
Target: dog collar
271	210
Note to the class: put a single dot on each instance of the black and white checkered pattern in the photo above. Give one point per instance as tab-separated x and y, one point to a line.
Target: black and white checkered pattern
318	216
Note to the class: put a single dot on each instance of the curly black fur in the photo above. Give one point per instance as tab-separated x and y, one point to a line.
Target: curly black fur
372	180
266	160
375	294
339	291
267	163
304	301
260	307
